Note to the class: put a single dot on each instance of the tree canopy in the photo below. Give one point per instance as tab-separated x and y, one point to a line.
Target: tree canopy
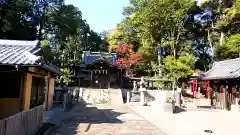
173	37
177	37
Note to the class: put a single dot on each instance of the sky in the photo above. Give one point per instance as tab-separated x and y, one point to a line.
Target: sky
101	14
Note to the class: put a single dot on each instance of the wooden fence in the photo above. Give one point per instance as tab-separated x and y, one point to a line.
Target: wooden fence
23	123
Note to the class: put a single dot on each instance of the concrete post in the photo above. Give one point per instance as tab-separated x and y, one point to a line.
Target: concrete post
178	97
128	96
80	94
65	101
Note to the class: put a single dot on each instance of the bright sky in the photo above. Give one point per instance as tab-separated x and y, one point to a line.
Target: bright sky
101	14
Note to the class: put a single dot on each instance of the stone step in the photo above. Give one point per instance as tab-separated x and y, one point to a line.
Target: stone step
108	96
135	98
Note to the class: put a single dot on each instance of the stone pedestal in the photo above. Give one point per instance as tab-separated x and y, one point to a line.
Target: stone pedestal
235	108
178	97
194	104
142	98
94	102
160	100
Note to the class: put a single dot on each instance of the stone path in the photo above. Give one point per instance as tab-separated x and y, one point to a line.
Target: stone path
192	121
104	120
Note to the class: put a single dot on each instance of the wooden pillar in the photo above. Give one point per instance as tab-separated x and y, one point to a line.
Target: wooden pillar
47	78
50	92
207	87
27	91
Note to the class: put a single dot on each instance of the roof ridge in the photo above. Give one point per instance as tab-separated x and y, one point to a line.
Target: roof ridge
19	42
99	52
228	61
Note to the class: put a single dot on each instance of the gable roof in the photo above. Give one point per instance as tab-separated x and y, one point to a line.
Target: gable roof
226	69
19	52
23	53
91	57
100	61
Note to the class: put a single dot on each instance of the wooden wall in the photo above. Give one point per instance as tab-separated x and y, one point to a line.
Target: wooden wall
10	101
13	105
9	106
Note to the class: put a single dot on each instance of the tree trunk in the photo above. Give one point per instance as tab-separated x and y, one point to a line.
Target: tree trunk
222	38
174	52
210	43
174	87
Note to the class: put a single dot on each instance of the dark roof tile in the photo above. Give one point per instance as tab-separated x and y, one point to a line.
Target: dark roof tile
18	52
223	70
90	57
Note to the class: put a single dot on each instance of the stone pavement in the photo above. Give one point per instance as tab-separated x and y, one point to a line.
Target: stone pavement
54	116
191	122
104	120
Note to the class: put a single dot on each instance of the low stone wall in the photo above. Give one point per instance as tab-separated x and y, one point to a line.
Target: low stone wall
102	96
153	93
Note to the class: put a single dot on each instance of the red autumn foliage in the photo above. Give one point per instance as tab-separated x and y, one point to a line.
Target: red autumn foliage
130	58
124	48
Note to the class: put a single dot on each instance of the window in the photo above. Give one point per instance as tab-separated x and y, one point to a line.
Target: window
10	83
37	93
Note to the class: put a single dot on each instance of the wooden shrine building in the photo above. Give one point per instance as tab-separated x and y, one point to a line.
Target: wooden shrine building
97	70
223	84
26	78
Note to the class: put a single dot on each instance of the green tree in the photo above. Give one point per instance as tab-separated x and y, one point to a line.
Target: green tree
230	49
178	68
160	27
224	23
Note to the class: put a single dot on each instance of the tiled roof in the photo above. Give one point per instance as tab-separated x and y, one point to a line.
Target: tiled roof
18	52
223	70
90	57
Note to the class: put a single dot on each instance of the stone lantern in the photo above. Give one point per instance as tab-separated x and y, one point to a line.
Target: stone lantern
142	90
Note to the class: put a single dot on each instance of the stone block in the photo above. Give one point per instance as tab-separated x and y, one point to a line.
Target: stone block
235	108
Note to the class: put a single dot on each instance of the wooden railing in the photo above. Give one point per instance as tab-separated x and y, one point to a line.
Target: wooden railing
23	123
2	127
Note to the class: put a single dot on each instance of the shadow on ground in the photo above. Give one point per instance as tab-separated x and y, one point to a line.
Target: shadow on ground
179	110
82	119
185	94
